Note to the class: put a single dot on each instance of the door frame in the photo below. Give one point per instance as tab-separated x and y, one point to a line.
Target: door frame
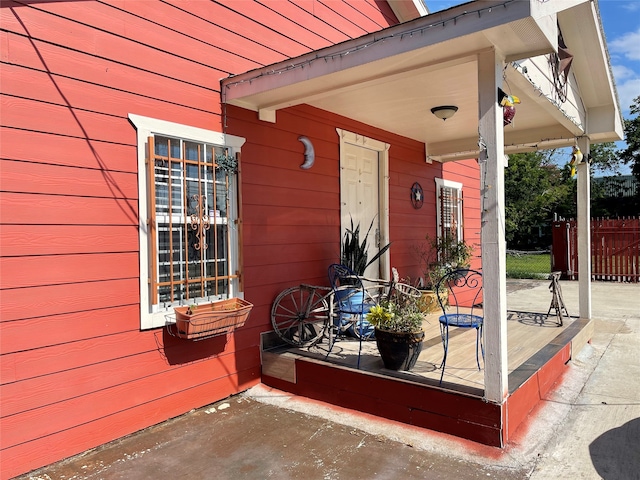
351	138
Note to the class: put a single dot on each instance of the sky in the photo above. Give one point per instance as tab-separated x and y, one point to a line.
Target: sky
621	22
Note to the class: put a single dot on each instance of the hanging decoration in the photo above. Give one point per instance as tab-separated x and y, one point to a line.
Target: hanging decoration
417	196
560	64
507	102
576	159
559	106
507	115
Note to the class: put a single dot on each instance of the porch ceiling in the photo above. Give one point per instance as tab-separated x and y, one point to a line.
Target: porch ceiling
391	79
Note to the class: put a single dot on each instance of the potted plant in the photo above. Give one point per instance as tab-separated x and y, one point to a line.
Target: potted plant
354	252
354	255
398	329
439	256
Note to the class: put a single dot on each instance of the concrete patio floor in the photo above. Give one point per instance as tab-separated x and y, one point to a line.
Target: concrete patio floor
588	426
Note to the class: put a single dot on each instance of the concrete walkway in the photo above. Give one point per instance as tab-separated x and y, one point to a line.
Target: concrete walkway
588	428
600	434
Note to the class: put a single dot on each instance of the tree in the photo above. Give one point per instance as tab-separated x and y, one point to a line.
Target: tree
631	155
605	157
534	187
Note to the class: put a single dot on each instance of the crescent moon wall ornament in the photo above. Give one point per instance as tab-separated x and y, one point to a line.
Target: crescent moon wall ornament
417	196
309	153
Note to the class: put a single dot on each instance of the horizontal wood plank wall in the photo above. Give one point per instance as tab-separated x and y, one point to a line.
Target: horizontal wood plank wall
76	371
467	173
292	220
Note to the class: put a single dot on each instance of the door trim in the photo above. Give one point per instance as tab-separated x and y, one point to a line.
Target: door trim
382	148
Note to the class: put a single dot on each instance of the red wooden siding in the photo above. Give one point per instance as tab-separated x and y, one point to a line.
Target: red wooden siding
41	148
76	371
292	224
467	172
454	413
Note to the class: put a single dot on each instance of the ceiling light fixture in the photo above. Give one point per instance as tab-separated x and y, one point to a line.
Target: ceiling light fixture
444	112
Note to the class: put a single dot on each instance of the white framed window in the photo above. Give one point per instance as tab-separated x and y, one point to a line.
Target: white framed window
188	210
449	210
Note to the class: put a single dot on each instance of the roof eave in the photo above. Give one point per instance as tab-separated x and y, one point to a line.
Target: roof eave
406	10
401	39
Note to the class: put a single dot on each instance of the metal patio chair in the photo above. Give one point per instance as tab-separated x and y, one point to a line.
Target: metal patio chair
352	301
461	308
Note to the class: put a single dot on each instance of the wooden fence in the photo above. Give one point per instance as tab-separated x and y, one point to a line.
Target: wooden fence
615	249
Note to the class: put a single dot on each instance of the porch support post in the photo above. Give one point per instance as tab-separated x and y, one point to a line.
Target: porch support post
492	162
584	231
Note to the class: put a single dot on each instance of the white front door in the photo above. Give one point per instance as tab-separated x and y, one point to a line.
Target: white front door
362	165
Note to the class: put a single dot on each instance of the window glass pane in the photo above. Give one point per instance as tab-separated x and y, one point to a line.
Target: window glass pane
192	171
176	188
193	151
161	146
175	148
223	286
162	188
192	239
164	145
450	213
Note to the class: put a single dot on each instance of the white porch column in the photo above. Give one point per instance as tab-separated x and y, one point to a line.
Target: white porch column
490	67
584	231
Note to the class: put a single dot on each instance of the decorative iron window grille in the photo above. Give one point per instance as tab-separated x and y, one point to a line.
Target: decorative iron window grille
190	220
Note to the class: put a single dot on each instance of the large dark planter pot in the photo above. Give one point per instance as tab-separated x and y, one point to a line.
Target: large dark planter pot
399	350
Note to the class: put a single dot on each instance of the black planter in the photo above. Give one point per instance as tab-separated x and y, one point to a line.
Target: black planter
399	350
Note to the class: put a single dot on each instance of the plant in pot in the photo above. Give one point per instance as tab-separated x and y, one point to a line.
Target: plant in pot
354	251
439	256
398	328
354	255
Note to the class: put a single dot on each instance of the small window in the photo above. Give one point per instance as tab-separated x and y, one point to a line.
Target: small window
449	209
189	239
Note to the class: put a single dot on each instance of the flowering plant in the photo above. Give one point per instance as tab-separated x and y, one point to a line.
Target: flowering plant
397	313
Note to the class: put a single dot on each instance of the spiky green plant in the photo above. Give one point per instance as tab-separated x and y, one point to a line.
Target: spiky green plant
353	251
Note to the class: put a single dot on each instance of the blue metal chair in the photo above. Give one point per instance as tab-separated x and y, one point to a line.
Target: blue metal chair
352	301
461	307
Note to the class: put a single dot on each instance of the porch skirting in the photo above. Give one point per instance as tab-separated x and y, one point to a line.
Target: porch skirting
452	409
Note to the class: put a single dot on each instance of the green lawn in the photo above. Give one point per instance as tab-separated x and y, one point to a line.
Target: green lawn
529	266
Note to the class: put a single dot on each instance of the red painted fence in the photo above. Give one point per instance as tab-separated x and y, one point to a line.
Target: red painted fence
615	249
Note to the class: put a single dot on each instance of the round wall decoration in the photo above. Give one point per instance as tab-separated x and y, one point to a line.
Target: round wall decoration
417	197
